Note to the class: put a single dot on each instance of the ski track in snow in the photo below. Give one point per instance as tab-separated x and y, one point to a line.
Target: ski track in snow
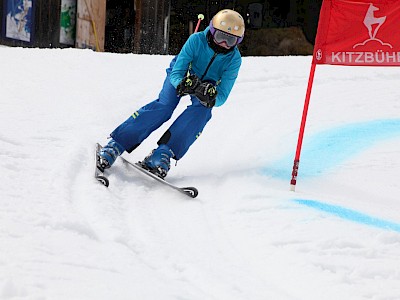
63	236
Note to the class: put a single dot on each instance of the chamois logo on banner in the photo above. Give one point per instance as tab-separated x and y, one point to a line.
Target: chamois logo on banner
373	24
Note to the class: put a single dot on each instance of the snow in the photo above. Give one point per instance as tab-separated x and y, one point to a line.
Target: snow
246	236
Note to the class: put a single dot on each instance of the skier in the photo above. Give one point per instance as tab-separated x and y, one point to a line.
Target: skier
206	69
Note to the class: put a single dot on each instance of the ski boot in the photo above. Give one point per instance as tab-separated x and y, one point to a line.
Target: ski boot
158	161
108	154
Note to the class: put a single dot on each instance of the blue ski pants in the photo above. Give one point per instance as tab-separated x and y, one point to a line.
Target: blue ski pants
180	135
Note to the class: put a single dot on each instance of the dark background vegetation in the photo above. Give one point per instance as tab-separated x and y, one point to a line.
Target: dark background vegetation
287	27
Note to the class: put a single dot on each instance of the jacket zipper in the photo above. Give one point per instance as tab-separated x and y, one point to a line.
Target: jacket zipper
209	65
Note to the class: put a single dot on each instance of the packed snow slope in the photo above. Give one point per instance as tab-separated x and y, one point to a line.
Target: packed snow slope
246	236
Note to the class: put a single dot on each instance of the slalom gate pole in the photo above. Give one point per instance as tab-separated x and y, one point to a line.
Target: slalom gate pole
302	126
200	18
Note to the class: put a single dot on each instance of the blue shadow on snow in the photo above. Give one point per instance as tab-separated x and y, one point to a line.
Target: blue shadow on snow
327	149
349	214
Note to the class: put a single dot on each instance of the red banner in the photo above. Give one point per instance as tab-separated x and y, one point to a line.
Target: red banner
358	33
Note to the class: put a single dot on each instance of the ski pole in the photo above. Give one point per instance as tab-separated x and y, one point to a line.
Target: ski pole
200	18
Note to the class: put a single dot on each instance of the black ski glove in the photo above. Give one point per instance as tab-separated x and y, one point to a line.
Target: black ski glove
206	93
188	85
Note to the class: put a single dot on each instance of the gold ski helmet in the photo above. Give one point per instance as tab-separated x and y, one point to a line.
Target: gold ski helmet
227	26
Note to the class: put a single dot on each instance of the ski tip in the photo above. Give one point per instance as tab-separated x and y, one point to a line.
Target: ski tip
190	191
103	180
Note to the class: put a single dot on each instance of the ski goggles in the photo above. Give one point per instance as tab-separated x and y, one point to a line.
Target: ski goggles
221	37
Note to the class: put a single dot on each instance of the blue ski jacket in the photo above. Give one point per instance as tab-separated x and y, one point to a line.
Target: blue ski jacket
198	57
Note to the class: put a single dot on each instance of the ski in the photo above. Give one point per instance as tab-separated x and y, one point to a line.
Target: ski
100	177
188	191
98	174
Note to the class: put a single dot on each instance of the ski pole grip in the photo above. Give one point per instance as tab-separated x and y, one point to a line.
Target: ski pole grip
200	18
